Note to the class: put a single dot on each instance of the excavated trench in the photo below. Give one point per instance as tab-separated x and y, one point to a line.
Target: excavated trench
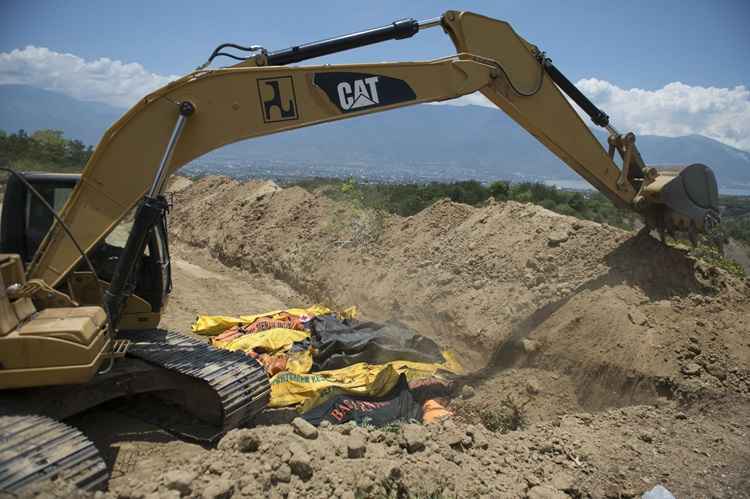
594	362
597	386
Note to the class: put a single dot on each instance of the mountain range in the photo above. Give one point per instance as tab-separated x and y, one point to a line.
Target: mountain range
424	142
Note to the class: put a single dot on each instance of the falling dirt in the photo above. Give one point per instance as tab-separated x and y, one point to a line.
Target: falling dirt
624	363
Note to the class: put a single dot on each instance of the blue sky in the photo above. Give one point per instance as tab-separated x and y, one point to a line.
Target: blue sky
644	44
610	48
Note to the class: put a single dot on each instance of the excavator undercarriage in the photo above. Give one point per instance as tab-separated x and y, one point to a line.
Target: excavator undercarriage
79	317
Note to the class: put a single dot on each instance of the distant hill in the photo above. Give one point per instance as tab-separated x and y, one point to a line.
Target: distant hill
29	108
457	142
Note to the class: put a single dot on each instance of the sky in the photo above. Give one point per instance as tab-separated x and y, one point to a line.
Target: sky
659	67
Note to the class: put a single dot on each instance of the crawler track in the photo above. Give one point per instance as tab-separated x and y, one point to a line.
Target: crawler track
36	448
239	383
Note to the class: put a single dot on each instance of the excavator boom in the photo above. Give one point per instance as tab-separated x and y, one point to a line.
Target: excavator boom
51	360
261	96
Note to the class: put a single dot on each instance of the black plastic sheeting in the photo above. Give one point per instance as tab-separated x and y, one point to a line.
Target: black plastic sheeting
399	404
341	343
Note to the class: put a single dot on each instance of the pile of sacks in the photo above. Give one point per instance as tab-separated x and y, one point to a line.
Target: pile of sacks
336	368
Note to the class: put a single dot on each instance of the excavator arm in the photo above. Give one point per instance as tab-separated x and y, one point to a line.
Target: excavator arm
261	96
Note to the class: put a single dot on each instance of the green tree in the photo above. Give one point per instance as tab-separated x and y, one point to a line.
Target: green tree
500	190
577	202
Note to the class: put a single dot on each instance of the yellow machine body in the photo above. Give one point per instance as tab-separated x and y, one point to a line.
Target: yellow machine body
55	346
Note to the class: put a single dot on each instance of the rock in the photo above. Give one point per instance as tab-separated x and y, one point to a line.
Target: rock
691	369
717	370
658	492
243	440
637	317
356	446
562	481
533	387
467	392
532	480
479	440
414	437
544	492
325	424
300	462
529	346
452	436
282	474
346	428
557	237
646	437
180	480
394	472
304	429
218	489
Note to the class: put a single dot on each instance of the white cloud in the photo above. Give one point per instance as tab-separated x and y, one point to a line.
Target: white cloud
673	110
103	80
676	109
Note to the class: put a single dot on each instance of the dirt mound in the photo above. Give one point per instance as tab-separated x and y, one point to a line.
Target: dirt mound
603	363
617	453
473	277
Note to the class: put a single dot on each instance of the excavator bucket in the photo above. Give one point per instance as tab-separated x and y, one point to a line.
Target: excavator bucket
684	200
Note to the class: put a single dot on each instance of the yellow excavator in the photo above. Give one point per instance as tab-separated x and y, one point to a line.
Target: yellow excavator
80	313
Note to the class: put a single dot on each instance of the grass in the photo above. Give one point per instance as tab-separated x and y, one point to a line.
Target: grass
510	416
411	198
712	256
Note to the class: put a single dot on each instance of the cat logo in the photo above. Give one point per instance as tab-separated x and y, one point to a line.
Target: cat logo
364	93
278	99
352	92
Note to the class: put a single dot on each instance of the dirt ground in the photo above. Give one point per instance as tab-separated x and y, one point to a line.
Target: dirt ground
625	363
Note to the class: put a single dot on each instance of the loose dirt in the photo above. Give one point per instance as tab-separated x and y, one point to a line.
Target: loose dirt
602	363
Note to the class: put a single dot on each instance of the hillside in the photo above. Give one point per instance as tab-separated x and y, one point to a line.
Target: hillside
424	142
31	109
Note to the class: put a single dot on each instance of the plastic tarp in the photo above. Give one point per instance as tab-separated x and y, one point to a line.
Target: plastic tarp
211	325
299	362
340	343
268	341
310	390
334	355
397	404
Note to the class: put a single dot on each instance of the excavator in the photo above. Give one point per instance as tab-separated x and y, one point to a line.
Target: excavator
79	312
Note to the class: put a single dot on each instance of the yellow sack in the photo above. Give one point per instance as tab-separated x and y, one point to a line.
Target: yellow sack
361	379
385	380
300	362
291	389
211	325
270	341
419	370
350	313
412	370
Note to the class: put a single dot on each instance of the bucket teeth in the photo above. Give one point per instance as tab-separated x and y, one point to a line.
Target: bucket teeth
682	201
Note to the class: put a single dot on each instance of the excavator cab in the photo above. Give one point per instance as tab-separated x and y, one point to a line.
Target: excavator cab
152	279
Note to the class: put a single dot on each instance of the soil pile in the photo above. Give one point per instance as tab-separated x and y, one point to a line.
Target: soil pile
589	296
603	362
613	454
